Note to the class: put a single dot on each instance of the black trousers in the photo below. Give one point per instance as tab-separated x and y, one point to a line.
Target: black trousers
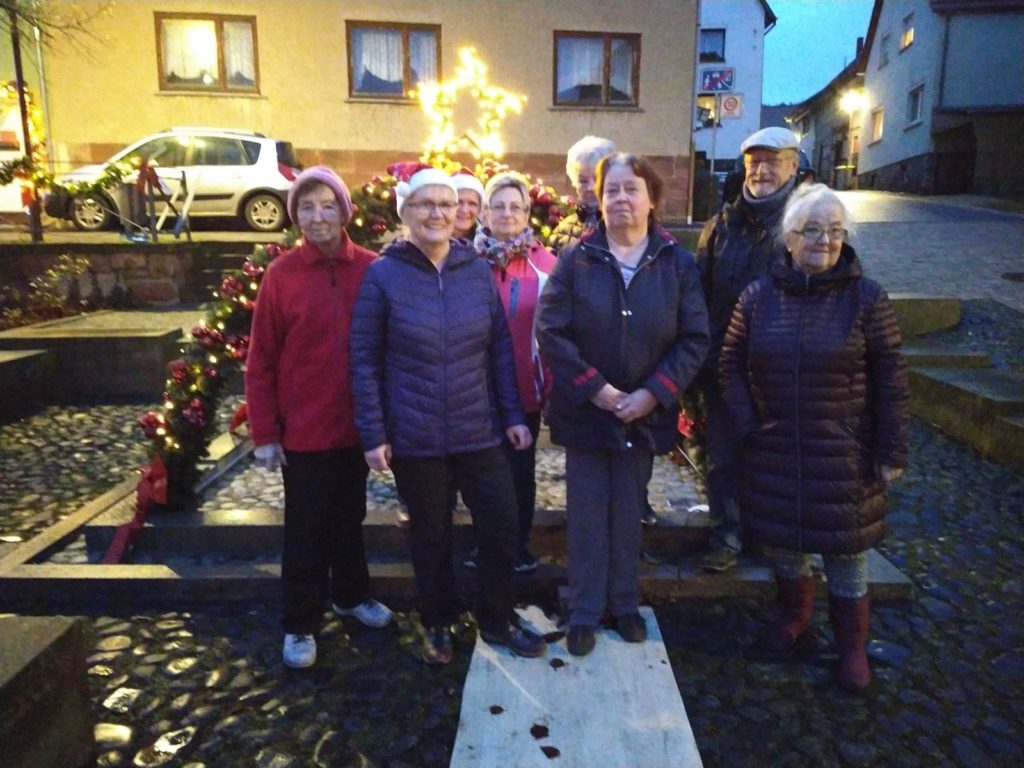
485	481
324	509
523	465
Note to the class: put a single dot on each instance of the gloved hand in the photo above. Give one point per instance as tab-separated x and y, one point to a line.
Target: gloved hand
269	456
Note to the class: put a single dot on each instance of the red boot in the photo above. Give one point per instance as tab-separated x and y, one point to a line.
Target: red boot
850	618
795	598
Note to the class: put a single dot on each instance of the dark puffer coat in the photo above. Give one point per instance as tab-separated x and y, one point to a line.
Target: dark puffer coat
593	330
815	380
433	371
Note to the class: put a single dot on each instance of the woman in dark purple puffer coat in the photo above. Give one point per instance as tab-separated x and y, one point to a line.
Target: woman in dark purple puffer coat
815	381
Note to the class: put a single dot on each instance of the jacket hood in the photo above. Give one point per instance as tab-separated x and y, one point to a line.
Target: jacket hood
792	280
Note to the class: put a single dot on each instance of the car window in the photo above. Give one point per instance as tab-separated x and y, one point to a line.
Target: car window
215	150
252	151
167	151
286	154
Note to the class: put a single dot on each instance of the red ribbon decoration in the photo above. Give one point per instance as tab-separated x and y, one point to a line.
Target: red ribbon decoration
241	417
151	489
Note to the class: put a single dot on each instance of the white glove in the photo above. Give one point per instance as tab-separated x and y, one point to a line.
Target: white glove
269	456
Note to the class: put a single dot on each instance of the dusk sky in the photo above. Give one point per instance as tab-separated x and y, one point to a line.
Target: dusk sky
809	45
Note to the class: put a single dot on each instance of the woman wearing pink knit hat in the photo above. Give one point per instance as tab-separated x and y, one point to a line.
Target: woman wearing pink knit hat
299	396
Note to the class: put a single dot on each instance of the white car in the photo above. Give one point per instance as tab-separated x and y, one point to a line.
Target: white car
231	173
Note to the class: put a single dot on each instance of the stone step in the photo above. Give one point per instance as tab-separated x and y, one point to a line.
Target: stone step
258	531
922	353
978	407
919	314
184	580
26	379
45	706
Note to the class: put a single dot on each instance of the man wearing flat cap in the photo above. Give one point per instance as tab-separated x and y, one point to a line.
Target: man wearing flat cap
736	247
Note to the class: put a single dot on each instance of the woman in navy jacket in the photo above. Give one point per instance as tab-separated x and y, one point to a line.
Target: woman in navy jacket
434	383
623	328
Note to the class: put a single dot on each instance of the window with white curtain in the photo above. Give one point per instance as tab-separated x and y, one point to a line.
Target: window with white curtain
389	60
597	69
207	52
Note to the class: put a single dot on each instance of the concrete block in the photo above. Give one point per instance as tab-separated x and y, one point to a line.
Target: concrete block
95	362
919	314
45	709
921	354
26	379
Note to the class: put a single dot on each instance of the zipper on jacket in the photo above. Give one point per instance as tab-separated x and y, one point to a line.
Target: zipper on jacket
444	377
796	421
513	297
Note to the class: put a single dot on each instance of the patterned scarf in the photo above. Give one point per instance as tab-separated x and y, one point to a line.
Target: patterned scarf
498	253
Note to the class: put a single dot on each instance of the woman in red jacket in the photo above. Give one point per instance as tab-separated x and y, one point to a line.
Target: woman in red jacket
520	265
299	396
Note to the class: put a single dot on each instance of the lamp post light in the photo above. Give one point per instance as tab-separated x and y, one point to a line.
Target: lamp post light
851	102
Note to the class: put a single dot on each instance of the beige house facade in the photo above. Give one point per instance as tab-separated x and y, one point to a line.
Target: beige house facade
333	78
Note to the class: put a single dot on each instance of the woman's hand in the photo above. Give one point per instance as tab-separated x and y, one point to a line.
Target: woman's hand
520	437
636	405
379	458
887	474
269	456
607	398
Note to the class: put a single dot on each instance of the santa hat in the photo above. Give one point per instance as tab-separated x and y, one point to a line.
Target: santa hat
424	177
318	174
464	179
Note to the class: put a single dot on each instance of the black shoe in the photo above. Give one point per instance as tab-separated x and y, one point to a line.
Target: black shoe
631	628
437	646
581	640
520	641
525	561
648	517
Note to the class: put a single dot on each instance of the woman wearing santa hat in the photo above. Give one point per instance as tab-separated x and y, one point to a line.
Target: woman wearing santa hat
435	391
471	198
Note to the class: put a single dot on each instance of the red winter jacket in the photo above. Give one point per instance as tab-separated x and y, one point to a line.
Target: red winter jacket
297	384
519	285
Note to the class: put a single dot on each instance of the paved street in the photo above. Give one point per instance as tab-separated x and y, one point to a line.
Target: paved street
950	664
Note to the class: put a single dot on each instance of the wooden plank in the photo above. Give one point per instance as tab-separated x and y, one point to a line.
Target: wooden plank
619	707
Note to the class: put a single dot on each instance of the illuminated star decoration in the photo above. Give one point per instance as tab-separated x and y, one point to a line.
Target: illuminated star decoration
438	103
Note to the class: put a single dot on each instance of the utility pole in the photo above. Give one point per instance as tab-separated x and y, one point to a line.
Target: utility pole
34	219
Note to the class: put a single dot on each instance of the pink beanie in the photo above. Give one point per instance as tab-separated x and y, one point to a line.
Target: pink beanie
424	177
464	179
318	174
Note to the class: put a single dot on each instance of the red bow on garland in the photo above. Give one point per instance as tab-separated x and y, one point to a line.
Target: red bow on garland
152	488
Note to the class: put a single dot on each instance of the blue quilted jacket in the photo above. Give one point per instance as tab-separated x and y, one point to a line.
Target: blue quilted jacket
432	365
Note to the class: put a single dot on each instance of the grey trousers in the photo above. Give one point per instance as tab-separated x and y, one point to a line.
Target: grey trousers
604	498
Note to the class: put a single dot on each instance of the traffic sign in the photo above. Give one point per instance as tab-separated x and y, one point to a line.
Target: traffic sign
717	80
732	105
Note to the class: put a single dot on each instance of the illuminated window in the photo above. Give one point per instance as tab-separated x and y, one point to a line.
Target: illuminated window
908	32
877	123
712	45
207	52
706	111
915	105
387	61
597	69
883	50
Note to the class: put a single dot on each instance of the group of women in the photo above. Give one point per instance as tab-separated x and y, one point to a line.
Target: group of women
466	329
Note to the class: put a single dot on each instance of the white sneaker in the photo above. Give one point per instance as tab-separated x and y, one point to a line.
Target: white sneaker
299	651
369	612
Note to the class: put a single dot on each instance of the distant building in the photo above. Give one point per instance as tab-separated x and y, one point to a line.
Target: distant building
935	103
730	76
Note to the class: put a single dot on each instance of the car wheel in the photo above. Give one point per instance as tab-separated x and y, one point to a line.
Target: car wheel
264	212
91	213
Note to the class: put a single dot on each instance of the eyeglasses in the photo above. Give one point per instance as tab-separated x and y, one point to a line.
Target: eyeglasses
771	162
446	207
815	233
512	208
